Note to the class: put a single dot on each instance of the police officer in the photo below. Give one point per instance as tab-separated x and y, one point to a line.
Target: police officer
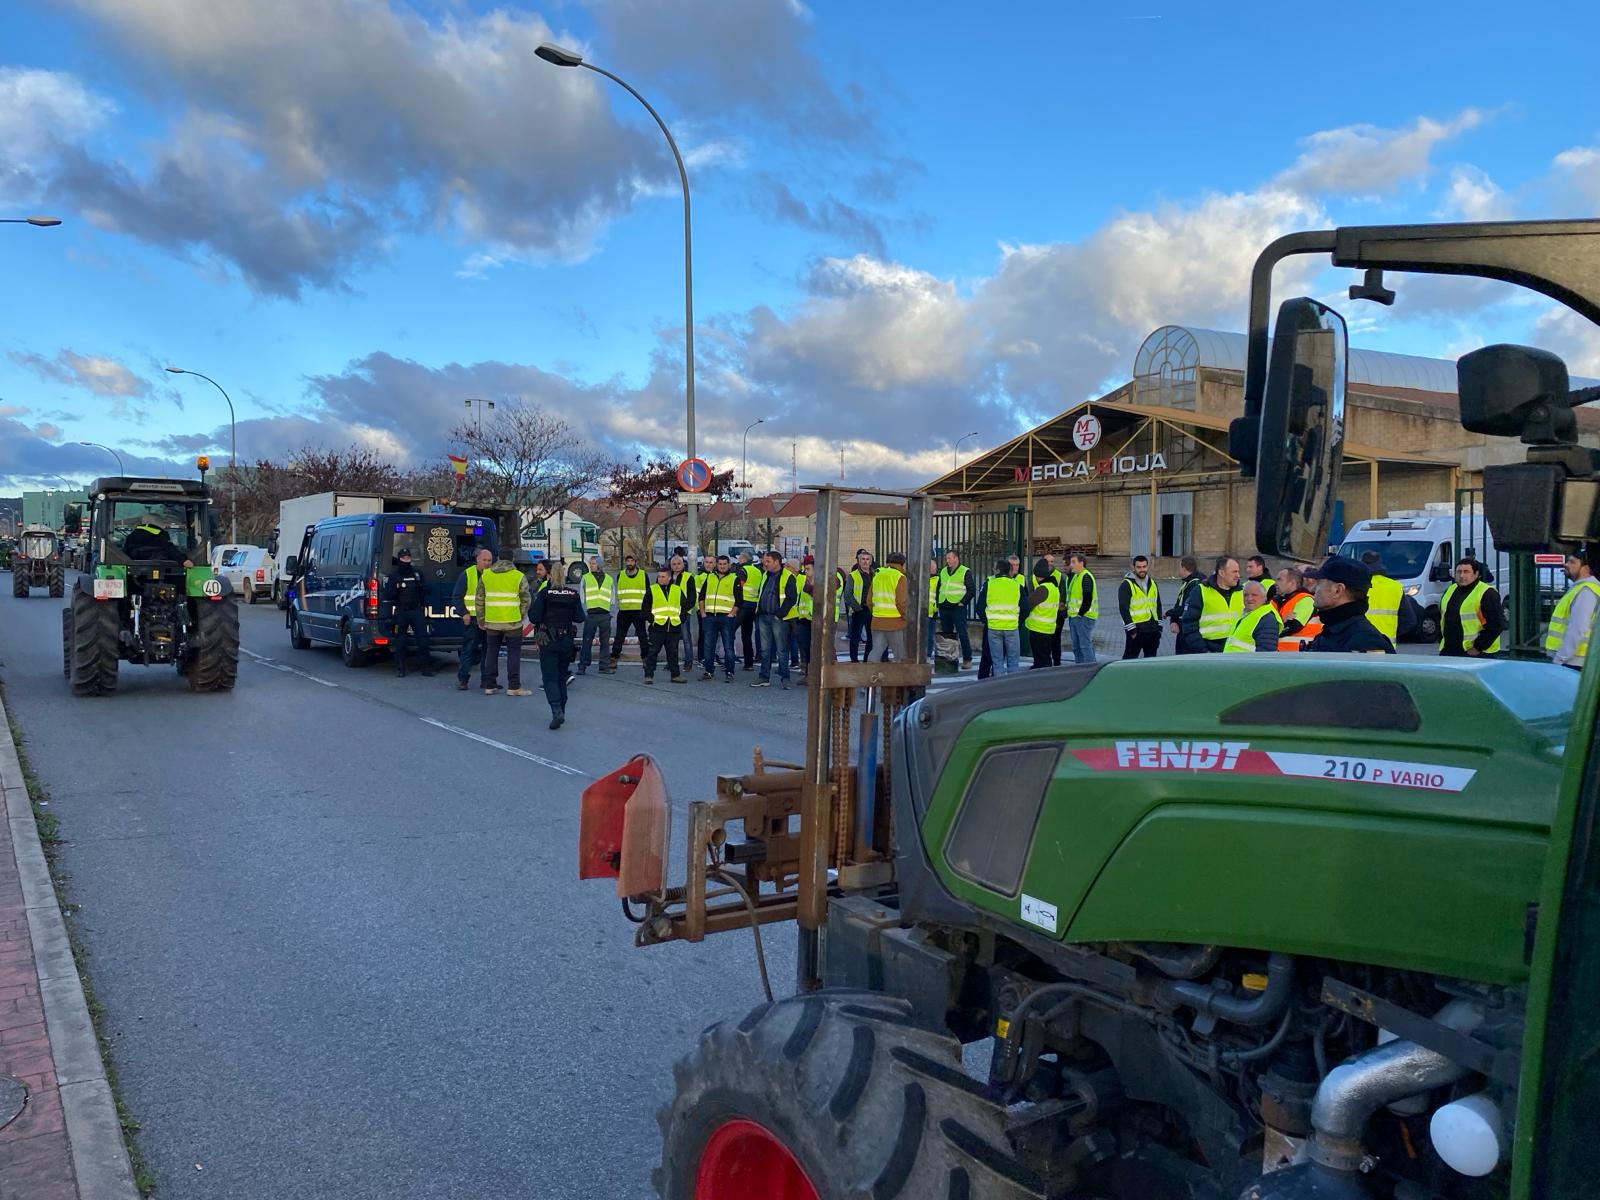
555	610
405	593
1341	599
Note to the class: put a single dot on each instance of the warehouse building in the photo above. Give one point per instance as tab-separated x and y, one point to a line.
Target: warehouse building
1144	469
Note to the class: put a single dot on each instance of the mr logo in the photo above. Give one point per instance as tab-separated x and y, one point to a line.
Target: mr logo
1179	756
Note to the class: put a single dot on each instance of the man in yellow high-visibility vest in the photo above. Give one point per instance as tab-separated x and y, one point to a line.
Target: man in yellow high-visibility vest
1083	607
1211	609
666	626
1001	600
749	591
1471	614
597	591
718	619
1383	598
632	586
1139	602
1257	629
955	589
1572	622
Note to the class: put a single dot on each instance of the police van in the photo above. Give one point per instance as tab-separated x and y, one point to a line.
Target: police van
336	594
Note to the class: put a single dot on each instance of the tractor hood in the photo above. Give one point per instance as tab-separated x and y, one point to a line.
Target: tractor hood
1390	811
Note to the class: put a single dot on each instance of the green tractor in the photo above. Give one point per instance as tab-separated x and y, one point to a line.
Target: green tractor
36	563
1298	927
148	595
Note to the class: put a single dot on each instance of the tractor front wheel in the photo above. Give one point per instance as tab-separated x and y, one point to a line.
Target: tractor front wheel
90	640
831	1096
214	646
58	583
19	584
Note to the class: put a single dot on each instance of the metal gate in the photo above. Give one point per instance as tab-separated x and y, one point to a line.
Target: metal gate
1530	592
979	537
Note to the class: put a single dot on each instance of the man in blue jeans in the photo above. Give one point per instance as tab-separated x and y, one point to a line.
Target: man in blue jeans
1082	608
717	618
471	635
779	594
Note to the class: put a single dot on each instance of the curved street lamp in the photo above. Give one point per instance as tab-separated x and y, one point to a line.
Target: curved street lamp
121	470
744	457
233	451
561	57
40	222
955	450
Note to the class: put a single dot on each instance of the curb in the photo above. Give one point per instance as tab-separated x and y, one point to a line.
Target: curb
99	1157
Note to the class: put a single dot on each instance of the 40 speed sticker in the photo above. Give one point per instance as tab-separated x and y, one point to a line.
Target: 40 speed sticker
1237	758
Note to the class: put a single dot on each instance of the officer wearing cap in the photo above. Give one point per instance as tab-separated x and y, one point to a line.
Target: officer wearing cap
406	593
1341	600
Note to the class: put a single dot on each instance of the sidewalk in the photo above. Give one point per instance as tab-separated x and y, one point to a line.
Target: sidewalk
59	1134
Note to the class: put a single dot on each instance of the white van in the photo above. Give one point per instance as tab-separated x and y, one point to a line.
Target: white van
250	569
1417	548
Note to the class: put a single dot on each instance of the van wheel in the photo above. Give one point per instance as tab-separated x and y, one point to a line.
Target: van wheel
350	650
250	594
297	635
1428	629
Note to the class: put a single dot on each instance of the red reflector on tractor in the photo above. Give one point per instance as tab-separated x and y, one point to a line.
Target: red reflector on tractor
623	828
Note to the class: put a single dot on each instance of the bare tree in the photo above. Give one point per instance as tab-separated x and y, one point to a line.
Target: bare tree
649	484
528	458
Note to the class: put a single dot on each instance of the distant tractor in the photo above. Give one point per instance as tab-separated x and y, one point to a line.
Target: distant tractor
36	562
149	595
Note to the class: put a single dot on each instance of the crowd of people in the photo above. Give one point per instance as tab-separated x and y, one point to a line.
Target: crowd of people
755	615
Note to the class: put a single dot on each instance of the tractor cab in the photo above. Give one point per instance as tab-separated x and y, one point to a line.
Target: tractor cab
36	562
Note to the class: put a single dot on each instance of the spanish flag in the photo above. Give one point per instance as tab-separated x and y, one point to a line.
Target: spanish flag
458	465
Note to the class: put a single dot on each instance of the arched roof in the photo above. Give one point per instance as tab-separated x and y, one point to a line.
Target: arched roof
1181	347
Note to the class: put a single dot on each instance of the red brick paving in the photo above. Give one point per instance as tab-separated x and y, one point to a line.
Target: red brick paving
35	1159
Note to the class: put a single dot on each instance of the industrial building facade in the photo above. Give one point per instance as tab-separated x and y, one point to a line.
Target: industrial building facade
1144	469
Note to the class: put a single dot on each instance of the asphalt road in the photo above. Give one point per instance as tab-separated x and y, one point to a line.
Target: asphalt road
342	950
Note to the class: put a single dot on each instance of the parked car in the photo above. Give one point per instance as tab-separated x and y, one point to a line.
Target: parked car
250	569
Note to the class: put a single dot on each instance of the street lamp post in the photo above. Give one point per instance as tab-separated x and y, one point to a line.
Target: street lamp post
567	58
479	409
40	222
744	457
121	470
233	451
955	450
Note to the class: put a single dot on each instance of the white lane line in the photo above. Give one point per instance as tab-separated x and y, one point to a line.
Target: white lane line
518	751
275	665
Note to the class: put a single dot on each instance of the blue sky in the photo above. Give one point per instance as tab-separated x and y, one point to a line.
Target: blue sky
912	220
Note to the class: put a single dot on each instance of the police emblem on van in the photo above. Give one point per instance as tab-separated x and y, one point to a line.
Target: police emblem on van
439	544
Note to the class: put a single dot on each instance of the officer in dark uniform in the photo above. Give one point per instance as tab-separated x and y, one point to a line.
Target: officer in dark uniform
405	592
556	609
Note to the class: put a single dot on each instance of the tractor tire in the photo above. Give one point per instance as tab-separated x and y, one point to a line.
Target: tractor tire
66	643
214	664
349	649
297	633
58	584
19	585
92	670
841	1090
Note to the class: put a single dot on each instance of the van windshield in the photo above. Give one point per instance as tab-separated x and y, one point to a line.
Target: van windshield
1401	560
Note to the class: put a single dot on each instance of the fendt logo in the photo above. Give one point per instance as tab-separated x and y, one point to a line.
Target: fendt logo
1180	756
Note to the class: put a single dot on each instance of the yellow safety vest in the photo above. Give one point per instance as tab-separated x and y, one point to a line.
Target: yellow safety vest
838	595
718	595
1558	620
1471	615
953	585
597	593
802	606
1075	596
933	595
1218	616
1002	602
885	582
1042	616
1243	638
1144	600
858	585
470	593
666	606
502	596
630	591
784	576
1383	605
752	582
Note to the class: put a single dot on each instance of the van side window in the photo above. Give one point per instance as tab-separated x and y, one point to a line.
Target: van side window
347	557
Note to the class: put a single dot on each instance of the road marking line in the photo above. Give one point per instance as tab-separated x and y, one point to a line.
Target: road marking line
487	741
275	665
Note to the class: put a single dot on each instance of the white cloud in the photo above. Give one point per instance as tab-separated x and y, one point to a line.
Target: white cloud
99	374
1364	160
40	112
1574	338
1473	196
1578	172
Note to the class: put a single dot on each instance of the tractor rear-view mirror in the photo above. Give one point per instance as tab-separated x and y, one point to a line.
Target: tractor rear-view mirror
1302	431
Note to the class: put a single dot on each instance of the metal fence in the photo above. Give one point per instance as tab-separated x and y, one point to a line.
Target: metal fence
979	537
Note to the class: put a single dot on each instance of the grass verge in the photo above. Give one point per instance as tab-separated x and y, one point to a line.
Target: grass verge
50	838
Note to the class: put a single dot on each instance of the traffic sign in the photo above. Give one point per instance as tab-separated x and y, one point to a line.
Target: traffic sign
1549	560
692	498
694	475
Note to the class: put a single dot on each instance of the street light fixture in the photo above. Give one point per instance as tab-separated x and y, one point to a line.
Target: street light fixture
40	222
233	451
479	403
956	449
744	458
561	57
121	470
